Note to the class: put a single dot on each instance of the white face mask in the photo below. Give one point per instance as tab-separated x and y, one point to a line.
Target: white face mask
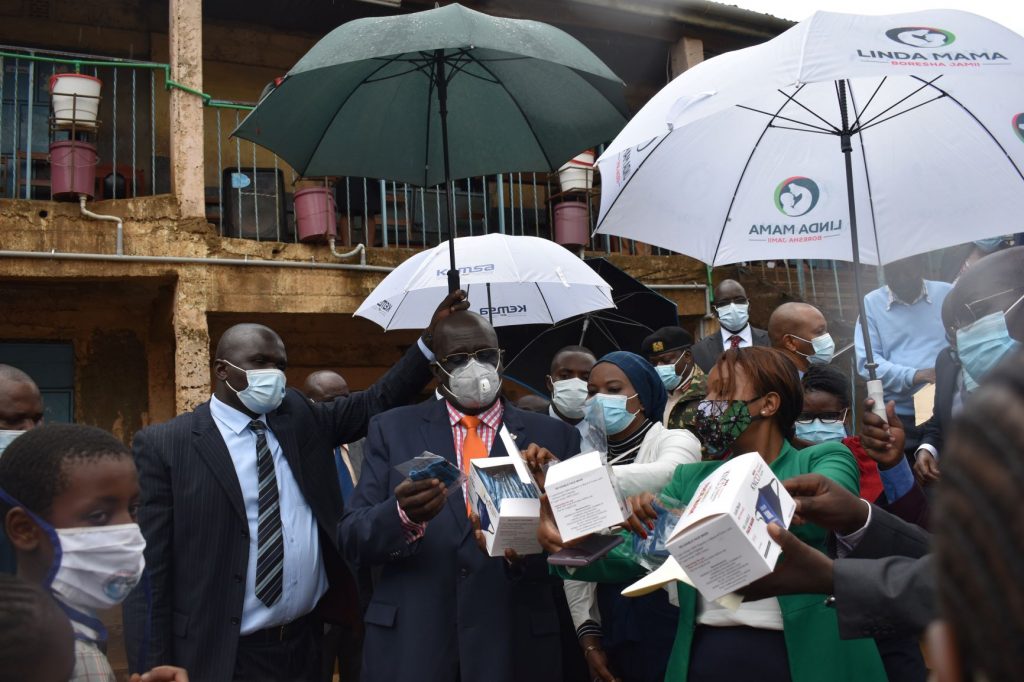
6	437
265	390
474	384
568	396
97	567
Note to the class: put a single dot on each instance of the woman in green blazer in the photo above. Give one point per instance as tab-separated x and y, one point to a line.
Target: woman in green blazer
753	400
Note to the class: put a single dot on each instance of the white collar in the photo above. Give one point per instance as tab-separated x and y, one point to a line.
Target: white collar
744	334
235	420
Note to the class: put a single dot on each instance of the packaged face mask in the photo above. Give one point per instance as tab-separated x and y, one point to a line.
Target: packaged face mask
650	552
427	466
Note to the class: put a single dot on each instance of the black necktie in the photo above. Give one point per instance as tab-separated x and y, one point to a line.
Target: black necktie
270	544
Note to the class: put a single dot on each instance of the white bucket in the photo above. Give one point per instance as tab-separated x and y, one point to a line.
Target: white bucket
76	99
577	174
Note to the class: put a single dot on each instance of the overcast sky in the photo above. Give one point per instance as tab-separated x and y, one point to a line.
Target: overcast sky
1010	13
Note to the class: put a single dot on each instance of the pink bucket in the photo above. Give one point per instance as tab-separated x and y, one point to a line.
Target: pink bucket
316	215
571	225
72	169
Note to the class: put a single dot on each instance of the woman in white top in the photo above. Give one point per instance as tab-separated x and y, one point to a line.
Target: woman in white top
633	639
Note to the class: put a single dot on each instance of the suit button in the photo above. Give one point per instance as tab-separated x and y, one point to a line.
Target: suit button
238	577
245	534
235	621
463	572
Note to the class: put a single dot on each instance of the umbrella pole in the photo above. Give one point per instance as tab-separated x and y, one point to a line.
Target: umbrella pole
875	391
442	98
490	308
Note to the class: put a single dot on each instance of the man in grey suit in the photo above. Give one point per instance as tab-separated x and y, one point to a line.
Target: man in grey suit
732	309
240	509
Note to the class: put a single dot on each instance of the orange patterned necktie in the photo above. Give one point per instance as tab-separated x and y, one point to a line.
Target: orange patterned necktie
472	446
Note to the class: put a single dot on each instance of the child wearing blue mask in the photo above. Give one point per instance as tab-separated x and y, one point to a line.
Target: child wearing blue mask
68	496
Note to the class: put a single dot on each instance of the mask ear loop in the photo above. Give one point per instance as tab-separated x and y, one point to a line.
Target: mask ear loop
50	531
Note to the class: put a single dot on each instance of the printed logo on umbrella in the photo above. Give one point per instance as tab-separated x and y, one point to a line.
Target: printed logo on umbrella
1018	125
921	36
796	196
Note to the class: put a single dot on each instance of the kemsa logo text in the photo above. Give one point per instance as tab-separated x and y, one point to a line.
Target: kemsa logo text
921	36
503	310
468	269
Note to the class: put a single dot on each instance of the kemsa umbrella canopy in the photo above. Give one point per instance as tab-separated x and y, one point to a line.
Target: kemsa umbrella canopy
909	123
508	279
433	96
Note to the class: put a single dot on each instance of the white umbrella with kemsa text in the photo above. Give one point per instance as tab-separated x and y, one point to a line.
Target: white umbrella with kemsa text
848	137
510	280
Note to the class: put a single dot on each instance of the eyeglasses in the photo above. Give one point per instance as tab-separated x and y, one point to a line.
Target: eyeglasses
975	315
486	356
825	417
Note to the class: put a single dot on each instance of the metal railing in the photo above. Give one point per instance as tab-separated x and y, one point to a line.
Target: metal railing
250	191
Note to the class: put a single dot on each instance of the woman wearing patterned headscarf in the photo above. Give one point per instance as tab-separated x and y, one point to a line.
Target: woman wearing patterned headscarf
630	639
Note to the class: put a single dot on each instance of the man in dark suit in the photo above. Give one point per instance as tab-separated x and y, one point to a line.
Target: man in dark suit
442	610
732	309
240	509
991	289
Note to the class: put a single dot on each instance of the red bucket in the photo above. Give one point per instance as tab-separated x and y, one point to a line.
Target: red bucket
72	169
571	225
316	215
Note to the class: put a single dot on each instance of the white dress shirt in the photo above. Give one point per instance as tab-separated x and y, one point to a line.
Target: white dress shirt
580	426
746	337
305	579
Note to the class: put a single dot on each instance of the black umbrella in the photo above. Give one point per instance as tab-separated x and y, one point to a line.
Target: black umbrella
639	311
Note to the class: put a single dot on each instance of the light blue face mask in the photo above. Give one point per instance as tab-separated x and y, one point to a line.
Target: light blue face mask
824	349
982	344
669	377
734	317
616	417
989	245
817	431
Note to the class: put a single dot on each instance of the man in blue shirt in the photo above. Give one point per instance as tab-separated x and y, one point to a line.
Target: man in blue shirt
905	323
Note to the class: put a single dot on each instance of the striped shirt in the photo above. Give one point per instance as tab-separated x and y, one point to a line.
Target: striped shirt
490	422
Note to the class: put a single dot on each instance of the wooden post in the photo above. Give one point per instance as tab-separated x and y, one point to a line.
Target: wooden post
685	54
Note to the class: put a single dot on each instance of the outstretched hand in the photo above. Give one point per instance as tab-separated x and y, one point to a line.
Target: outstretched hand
453	302
823	502
801	569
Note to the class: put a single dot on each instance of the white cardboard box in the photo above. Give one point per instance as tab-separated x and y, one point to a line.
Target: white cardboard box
584	496
514	525
721	540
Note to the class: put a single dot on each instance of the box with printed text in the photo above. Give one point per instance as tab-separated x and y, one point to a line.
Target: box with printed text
721	540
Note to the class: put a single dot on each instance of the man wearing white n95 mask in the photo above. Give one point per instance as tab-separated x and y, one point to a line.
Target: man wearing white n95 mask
732	309
570	369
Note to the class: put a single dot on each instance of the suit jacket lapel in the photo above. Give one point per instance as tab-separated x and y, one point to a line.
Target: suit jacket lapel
436	431
210	446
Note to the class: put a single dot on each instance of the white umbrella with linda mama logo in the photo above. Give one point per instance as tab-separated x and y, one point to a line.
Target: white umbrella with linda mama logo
509	279
848	137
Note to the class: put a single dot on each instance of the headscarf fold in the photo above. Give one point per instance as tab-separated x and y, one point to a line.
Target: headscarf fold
649	388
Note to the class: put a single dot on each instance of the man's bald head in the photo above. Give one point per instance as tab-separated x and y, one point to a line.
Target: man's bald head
463	332
992	284
21	404
242	337
791	328
728	290
324	385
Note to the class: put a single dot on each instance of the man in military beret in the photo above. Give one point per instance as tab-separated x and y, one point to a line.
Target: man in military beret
669	350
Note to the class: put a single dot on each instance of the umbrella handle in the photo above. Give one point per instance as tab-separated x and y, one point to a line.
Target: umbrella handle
876	393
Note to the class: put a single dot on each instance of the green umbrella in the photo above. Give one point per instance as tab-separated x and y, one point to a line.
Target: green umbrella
433	96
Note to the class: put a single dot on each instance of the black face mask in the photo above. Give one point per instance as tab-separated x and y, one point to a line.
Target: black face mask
718	423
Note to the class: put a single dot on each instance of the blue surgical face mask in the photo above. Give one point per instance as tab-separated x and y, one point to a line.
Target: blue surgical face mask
734	317
669	377
616	417
989	245
817	431
824	349
265	390
982	344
